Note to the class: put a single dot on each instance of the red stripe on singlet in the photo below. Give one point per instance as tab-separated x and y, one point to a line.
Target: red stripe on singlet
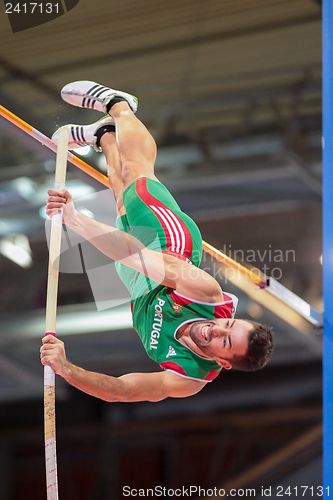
212	375
171	365
178	237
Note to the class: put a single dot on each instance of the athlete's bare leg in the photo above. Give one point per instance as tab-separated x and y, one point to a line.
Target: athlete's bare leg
110	149
136	146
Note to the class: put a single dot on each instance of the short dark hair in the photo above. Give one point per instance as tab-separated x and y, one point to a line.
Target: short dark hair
259	350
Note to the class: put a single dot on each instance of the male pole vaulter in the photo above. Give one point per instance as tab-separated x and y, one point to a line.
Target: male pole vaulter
183	318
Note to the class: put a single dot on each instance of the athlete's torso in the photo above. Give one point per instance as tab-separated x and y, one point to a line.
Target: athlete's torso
157	318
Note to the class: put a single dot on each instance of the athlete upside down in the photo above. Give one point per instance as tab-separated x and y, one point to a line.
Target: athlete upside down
183	318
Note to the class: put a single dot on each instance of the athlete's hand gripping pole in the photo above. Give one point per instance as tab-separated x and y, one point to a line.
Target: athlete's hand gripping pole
50	324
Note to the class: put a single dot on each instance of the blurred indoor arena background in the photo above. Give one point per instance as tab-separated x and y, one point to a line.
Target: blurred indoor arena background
231	90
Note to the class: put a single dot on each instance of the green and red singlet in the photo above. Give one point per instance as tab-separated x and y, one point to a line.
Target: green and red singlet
154	217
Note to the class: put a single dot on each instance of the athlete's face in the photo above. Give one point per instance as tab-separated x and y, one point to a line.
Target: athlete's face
221	339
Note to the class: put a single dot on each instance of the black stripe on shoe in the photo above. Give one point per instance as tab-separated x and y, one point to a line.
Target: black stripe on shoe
76	134
90	103
73	134
100	92
93	91
81	131
95	95
94	87
78	131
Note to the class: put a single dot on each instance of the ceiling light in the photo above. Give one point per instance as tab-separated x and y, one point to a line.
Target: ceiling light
17	249
77	188
25	187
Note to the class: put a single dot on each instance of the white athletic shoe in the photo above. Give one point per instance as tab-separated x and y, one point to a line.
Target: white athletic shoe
92	95
85	135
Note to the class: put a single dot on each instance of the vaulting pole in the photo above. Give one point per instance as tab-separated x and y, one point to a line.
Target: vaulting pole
50	324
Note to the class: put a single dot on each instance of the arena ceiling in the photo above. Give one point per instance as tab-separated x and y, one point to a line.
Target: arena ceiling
231	91
188	58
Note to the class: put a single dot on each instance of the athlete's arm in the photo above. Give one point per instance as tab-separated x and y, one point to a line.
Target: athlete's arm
127	388
187	279
118	245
